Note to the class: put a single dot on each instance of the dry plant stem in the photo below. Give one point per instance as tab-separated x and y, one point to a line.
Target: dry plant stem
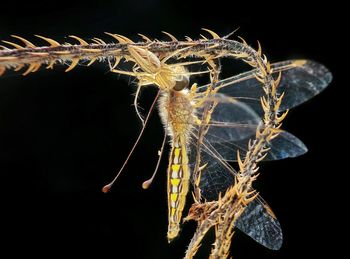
231	206
34	57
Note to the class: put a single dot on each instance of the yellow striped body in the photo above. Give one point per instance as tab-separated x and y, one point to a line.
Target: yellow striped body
177	114
178	184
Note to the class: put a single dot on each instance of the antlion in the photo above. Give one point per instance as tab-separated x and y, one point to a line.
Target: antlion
236	119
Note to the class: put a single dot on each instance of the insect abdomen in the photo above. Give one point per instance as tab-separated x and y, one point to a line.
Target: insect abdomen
178	184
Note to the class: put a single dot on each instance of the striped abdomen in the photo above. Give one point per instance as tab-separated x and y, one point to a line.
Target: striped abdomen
178	184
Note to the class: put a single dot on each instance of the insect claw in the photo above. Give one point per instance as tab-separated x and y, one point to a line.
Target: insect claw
193	88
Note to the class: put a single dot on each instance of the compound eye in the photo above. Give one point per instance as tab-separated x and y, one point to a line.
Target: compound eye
181	84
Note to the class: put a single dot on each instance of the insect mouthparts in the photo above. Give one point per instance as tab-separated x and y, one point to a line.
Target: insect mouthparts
181	84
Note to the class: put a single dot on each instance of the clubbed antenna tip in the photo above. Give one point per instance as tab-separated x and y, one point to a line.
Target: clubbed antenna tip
146	184
106	188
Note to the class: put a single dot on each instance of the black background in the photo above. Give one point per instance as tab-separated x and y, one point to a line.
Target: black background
64	135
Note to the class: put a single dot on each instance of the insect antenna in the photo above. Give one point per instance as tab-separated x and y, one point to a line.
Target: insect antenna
146	184
108	187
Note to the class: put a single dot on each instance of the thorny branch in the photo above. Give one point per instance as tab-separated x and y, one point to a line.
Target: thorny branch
223	213
232	204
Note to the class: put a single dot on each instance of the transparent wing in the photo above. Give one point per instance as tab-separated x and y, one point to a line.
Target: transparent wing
216	178
258	220
301	80
284	146
233	124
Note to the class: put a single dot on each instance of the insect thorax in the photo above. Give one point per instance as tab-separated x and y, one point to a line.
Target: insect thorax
176	112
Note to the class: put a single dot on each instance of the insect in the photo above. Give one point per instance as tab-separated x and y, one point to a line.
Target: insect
232	123
207	124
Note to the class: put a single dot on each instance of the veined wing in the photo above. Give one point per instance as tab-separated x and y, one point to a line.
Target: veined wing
301	80
257	220
260	223
233	124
